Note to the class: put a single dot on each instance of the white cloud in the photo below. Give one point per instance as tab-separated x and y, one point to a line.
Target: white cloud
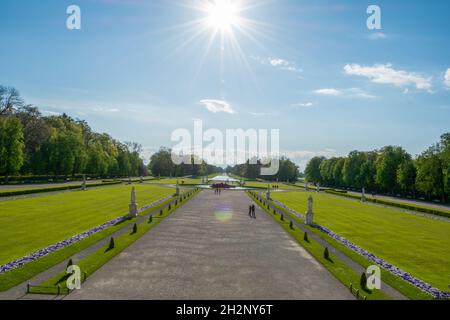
302	157
216	106
260	114
106	110
305	105
385	74
377	36
328	92
447	78
358	93
346	93
282	64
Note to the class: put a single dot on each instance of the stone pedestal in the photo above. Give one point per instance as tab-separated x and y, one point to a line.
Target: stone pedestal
83	185
177	189
133	207
268	193
309	215
363	195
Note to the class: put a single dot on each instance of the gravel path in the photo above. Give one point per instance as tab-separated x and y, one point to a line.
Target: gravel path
211	249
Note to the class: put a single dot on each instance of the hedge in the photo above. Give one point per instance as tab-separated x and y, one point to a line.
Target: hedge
406	206
51	189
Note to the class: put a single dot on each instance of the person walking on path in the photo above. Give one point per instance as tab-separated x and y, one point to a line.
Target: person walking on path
250	211
254	211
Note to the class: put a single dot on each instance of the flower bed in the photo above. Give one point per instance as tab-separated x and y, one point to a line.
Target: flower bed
389	267
43	252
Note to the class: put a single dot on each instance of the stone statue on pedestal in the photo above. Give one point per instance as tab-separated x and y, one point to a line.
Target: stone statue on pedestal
142	179
268	192
83	185
363	195
177	190
309	215
318	187
133	212
306	186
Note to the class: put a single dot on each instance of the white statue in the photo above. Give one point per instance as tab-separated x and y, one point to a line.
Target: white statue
133	205
83	185
268	192
318	187
363	195
309	215
177	190
142	179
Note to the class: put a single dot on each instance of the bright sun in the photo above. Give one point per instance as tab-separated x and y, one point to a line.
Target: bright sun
223	15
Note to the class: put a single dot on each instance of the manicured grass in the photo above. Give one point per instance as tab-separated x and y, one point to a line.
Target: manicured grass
187	181
96	260
35	223
418	245
345	274
29	270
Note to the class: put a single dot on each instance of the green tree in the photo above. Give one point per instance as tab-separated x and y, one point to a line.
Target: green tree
430	174
312	171
11	146
388	162
406	176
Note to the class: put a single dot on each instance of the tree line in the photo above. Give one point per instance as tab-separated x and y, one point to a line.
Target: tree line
288	171
58	145
390	170
161	164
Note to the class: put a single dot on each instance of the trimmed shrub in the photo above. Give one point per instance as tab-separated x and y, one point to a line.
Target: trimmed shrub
305	237
291	225
326	253
282	218
135	228
70	263
150	219
161	212
363	281
111	243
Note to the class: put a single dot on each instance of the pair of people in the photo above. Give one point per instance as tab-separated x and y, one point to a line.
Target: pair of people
217	191
252	211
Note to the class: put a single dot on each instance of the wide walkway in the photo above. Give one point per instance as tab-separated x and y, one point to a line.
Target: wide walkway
211	249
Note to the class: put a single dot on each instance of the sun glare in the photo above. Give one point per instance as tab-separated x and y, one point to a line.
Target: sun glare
223	15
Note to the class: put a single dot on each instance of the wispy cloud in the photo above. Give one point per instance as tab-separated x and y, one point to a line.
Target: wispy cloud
106	110
279	63
302	157
303	104
261	114
447	78
385	74
216	106
328	92
377	36
347	93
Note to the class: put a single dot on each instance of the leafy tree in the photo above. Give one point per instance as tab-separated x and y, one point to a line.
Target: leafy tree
352	168
406	176
11	146
430	174
312	171
388	162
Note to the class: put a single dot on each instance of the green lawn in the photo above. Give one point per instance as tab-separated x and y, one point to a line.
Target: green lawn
174	181
418	245
34	223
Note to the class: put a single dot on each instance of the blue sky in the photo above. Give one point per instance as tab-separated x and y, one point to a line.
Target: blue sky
141	69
